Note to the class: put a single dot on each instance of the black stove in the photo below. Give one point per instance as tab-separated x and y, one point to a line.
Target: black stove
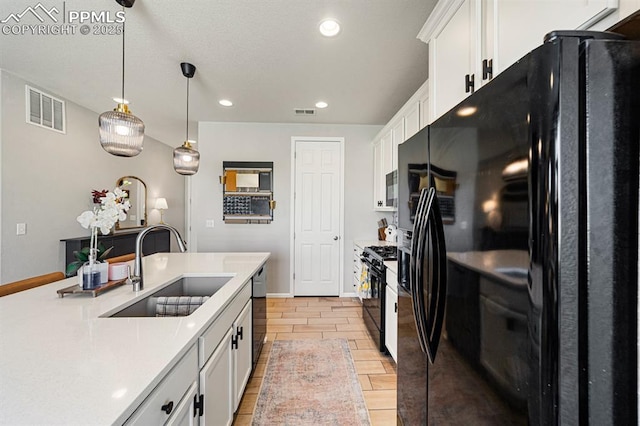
373	302
376	255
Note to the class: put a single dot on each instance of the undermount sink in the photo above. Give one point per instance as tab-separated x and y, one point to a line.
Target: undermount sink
186	286
513	272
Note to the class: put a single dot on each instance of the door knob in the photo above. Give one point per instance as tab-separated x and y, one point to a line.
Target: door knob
335	238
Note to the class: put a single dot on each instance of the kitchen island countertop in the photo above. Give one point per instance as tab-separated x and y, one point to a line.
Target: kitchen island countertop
64	362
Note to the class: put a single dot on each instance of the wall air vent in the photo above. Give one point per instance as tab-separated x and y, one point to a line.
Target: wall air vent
304	111
45	110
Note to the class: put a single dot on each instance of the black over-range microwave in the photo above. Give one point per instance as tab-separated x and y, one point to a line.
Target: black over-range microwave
392	189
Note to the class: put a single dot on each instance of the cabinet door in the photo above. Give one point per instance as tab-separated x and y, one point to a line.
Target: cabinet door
241	353
424	110
517	27
452	59
216	385
379	195
184	414
397	137
387	153
391	323
412	121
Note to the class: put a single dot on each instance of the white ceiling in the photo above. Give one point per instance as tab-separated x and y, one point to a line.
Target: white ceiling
267	56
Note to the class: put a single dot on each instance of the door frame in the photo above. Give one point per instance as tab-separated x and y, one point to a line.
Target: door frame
292	211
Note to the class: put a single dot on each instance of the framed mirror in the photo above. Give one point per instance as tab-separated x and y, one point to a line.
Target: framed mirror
137	214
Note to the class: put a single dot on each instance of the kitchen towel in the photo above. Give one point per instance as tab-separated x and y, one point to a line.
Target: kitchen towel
178	306
364	289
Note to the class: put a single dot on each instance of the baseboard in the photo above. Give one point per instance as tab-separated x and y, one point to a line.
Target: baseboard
285	295
279	295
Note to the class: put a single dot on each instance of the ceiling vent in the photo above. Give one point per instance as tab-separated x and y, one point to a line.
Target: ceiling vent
305	111
45	110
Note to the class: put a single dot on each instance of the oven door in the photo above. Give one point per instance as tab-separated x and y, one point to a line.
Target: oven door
373	307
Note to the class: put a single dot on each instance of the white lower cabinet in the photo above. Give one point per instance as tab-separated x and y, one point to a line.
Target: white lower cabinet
391	315
216	385
242	360
391	325
160	404
206	385
185	414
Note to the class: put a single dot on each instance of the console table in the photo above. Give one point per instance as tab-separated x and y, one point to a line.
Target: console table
122	242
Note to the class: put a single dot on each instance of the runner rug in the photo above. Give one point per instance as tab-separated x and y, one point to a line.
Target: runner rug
310	382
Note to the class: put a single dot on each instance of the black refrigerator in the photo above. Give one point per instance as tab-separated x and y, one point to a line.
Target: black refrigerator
519	209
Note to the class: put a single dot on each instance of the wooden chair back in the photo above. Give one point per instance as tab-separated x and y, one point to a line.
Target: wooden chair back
122	258
28	283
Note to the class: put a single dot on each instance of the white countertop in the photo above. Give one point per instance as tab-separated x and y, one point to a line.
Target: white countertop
367	243
392	265
62	363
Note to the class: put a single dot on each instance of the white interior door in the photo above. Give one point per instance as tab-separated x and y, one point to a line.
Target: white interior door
317	217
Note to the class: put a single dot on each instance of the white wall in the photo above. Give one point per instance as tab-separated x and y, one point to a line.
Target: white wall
220	142
47	178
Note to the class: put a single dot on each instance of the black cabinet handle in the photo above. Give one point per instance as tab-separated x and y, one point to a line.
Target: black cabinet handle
487	69
396	308
234	342
379	203
198	405
168	407
240	332
469	83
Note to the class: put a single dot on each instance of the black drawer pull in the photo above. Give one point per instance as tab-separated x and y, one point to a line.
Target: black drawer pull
240	332
168	407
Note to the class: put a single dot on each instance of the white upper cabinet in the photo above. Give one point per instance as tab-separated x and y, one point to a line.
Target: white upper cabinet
472	41
404	124
412	120
452	56
397	137
519	27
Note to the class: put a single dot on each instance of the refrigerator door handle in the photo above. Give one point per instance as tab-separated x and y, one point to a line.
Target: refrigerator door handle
415	267
438	281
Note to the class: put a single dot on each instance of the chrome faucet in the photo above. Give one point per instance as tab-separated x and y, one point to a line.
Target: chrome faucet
136	279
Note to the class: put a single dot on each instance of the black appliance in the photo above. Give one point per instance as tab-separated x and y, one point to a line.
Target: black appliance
259	312
392	189
373	310
520	304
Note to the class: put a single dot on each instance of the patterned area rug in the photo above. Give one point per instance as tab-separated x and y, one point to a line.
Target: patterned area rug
310	382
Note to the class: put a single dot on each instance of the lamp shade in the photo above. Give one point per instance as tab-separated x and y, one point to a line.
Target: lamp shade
161	204
121	132
186	160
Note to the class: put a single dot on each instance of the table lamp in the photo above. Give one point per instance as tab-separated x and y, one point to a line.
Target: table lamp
161	204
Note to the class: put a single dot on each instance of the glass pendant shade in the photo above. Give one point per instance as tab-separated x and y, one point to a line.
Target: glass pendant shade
186	160
121	132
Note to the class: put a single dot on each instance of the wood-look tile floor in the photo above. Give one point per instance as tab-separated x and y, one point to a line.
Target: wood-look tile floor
328	318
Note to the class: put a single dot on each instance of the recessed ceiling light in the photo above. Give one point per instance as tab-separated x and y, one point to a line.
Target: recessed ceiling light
120	101
322	104
225	102
329	27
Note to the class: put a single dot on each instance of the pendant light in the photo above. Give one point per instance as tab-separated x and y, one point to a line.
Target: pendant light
186	160
121	132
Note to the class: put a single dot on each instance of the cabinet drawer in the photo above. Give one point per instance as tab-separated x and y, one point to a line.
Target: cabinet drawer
170	391
210	339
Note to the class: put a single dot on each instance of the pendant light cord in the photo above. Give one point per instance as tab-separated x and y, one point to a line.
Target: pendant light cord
188	108
123	22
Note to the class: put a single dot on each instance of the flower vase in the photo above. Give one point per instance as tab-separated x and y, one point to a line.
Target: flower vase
90	275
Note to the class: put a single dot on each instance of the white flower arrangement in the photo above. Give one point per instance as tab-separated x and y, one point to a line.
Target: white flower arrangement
113	208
